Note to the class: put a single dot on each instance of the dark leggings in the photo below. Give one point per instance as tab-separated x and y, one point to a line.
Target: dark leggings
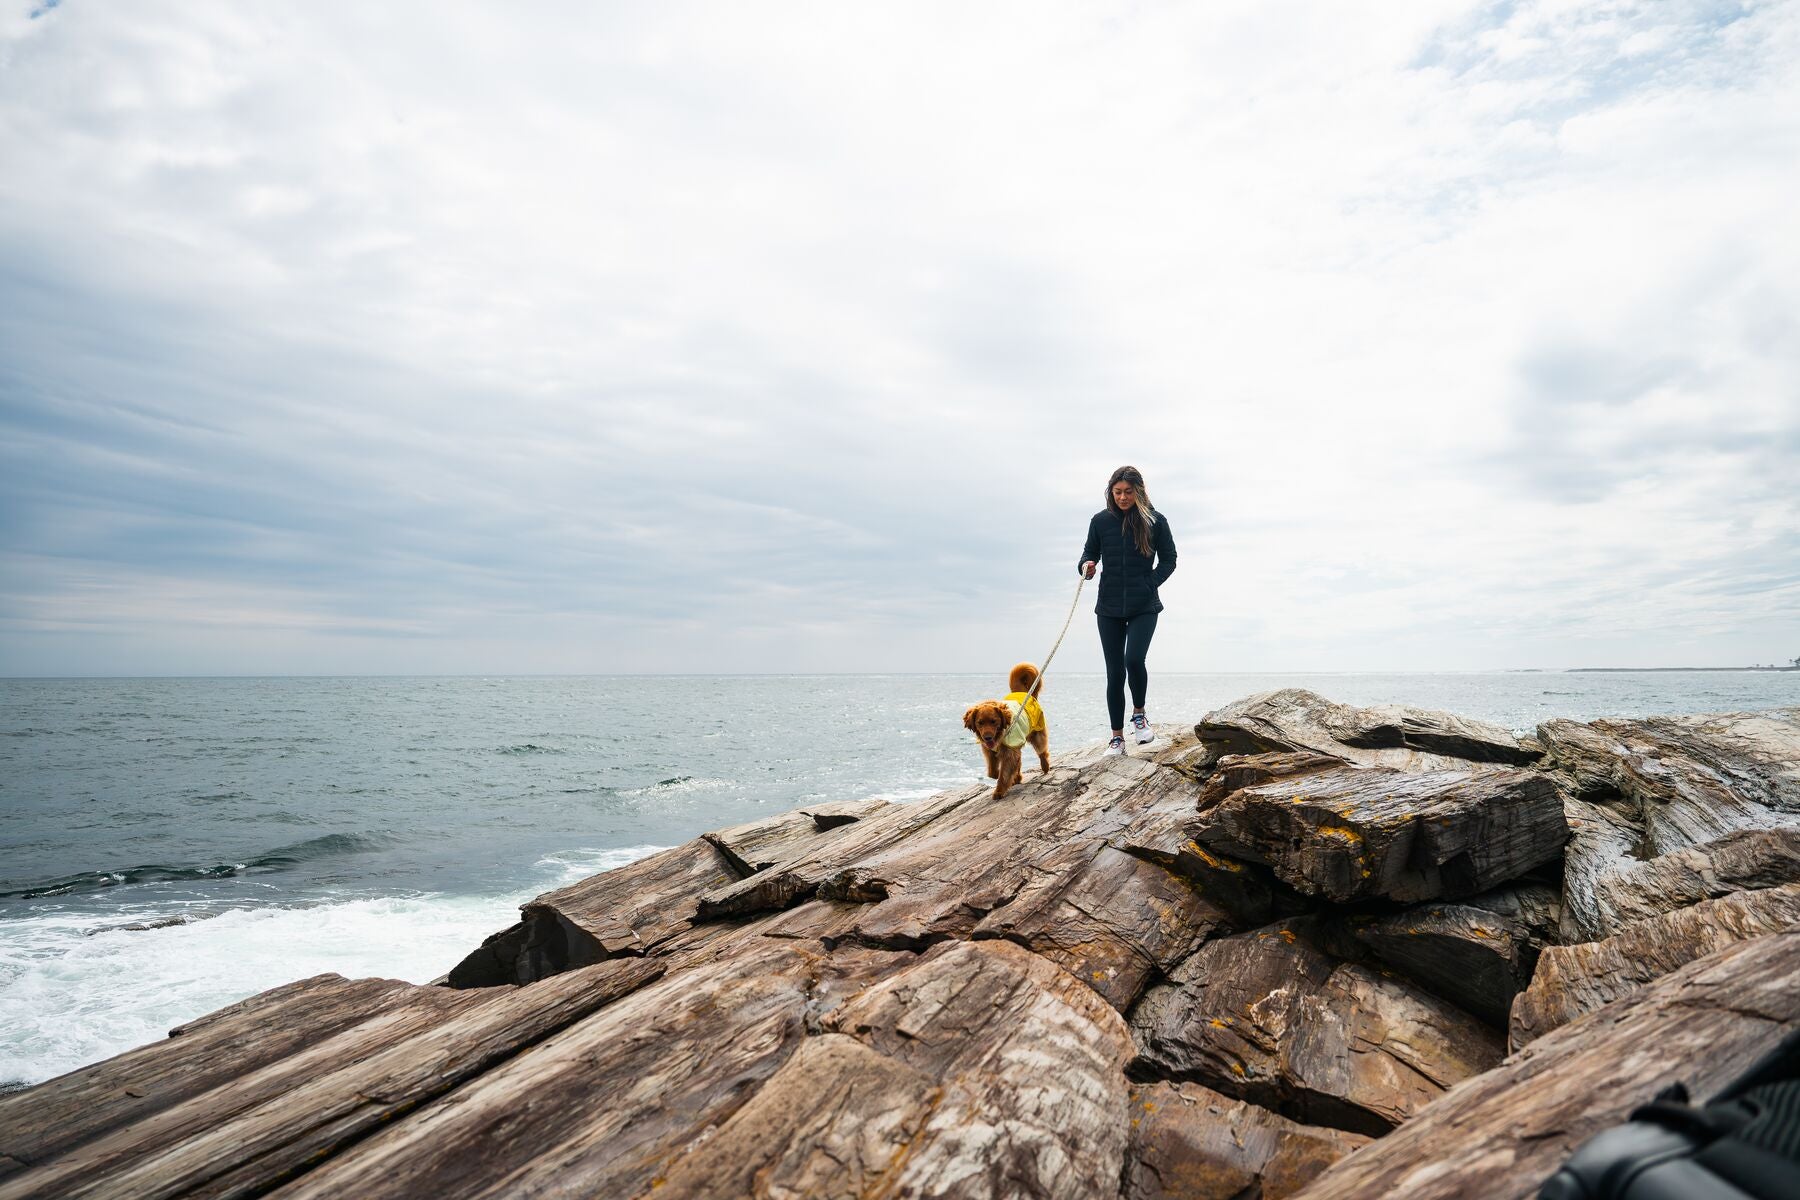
1124	642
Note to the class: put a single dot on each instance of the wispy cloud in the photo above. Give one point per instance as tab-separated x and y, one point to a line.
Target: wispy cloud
434	337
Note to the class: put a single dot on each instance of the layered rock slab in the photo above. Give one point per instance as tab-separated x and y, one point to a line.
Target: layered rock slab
1572	980
1267	1017
1478	954
951	874
979	1070
758	845
624	911
1386	735
938	870
1743	861
1236	771
1189	1142
603	1106
1248	892
1500	1135
631	909
241	1039
243	1137
1688	779
1109	918
1356	833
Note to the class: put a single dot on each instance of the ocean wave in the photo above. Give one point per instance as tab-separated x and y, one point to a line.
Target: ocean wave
680	783
71	994
523	748
572	866
283	858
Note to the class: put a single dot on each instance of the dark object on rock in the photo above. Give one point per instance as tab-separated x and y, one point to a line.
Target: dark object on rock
1744	1144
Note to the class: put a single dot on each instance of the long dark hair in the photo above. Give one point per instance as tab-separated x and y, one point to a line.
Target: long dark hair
1139	518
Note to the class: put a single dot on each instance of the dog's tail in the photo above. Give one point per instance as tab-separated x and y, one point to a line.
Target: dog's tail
1022	677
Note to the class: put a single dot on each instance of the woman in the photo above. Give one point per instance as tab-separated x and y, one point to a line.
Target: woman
1132	541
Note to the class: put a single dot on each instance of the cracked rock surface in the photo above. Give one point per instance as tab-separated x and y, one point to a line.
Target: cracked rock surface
1274	955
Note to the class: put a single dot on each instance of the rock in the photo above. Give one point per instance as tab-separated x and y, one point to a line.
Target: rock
938	873
1107	918
1248	892
42	1122
1354	833
1689	780
1387	735
622	911
1503	1133
1235	771
242	1138
835	1120
761	844
1572	980
925	999
787	883
1478	954
630	909
1742	861
1266	1017
1029	1070
1603	841
978	1070
605	1107
1191	1143
948	878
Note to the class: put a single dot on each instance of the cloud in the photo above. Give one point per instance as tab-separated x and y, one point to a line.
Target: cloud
676	338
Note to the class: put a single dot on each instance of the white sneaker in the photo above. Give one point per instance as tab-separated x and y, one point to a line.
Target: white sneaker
1116	746
1140	724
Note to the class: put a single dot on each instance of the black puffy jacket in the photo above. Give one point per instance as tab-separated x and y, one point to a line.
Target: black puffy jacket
1128	578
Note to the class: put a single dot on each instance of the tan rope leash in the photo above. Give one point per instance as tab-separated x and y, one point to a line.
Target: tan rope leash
1080	582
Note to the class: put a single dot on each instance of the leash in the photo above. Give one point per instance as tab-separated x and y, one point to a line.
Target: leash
1080	582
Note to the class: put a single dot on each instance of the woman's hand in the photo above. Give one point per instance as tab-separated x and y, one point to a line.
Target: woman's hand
1087	569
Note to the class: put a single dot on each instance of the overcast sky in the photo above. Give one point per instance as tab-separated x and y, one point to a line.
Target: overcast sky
572	337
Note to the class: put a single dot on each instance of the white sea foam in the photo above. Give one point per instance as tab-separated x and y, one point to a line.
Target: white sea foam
76	989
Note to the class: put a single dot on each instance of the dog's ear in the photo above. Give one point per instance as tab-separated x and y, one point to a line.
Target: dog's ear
969	717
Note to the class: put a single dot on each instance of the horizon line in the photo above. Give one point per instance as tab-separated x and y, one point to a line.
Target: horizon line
847	674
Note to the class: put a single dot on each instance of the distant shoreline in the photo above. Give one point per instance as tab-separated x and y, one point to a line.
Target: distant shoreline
1627	670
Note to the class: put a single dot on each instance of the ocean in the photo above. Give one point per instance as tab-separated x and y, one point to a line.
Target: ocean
168	846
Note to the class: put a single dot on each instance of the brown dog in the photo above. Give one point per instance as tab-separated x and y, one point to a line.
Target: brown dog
993	720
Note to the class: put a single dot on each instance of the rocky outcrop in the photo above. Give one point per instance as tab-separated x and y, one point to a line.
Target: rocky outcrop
1268	1017
1358	833
1503	1133
1478	954
1220	968
1572	980
1387	735
1685	781
1743	861
1189	1142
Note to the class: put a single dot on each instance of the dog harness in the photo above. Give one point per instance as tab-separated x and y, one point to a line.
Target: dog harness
1028	718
